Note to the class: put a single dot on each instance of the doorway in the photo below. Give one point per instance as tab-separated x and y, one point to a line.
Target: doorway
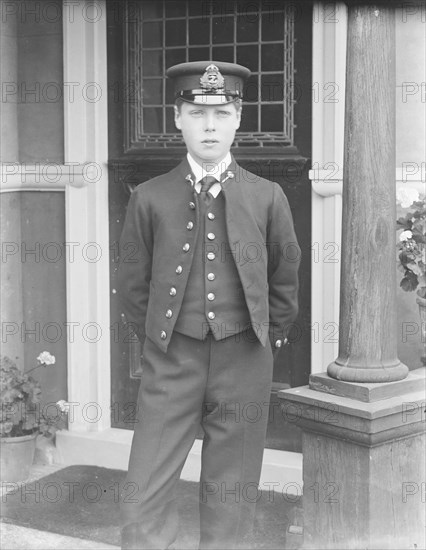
274	40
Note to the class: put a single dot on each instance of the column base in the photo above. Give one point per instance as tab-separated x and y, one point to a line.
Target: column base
363	469
367	374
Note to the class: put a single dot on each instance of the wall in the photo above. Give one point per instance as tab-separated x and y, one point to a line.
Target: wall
33	217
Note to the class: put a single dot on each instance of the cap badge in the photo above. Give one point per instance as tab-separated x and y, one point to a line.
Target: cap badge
212	80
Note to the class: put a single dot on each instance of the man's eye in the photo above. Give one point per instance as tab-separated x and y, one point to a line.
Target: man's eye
196	113
224	113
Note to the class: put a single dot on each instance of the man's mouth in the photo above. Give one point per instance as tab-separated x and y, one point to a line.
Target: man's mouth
210	141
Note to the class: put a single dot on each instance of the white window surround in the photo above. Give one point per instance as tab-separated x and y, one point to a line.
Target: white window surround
328	111
86	211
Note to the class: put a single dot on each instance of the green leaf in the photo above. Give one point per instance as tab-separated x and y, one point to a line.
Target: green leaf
418	237
401	223
409	282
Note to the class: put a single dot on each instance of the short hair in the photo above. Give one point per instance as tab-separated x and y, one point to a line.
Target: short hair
237	102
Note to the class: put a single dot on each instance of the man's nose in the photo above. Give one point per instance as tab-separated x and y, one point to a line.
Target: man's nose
210	122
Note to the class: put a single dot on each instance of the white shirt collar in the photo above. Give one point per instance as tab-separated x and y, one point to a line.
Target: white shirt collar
209	169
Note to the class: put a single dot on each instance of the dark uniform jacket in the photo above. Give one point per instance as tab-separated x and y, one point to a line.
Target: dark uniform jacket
156	252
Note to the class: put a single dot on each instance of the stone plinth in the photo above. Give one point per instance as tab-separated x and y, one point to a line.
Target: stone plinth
363	469
368	392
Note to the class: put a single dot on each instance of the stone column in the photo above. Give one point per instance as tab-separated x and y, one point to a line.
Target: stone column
363	420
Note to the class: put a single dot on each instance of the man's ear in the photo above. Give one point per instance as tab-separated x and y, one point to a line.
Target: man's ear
177	118
238	118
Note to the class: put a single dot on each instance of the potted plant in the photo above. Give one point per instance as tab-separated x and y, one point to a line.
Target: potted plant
411	249
22	418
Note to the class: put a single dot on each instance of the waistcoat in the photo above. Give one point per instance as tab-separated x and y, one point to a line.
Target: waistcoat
214	297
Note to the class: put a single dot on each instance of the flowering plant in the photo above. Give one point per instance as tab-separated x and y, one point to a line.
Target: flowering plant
20	394
412	242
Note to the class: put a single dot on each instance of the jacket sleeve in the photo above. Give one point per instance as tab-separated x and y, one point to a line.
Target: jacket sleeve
135	261
283	265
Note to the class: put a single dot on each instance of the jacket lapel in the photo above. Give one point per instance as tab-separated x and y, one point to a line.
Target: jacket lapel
248	245
241	224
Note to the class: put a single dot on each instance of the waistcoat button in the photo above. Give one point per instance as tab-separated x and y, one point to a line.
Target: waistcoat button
179	269
211	315
211	216
169	313
211	255
190	225
186	247
163	335
211	276
211	236
210	296
192	205
172	291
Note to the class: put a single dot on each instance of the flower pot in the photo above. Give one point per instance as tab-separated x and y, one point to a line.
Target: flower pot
45	452
17	455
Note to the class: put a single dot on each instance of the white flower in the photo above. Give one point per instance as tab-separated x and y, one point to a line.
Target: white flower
406	235
405	196
64	406
46	359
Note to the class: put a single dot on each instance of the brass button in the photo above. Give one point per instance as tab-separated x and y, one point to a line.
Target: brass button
278	343
211	236
172	291
186	247
210	296
179	269
211	315
163	335
211	216
211	276
169	313
190	225
211	255
192	205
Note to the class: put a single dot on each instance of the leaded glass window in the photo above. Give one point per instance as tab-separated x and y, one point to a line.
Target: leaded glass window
162	33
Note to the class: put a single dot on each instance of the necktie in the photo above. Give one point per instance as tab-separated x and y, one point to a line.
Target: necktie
206	183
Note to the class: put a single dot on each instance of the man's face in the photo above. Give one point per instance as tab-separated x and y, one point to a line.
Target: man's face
208	130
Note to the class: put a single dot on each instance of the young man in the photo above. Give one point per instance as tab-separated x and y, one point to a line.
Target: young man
210	295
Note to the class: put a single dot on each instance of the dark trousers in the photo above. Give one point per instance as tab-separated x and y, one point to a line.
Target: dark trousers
224	386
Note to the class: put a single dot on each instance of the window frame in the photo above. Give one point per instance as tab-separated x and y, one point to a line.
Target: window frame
151	144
